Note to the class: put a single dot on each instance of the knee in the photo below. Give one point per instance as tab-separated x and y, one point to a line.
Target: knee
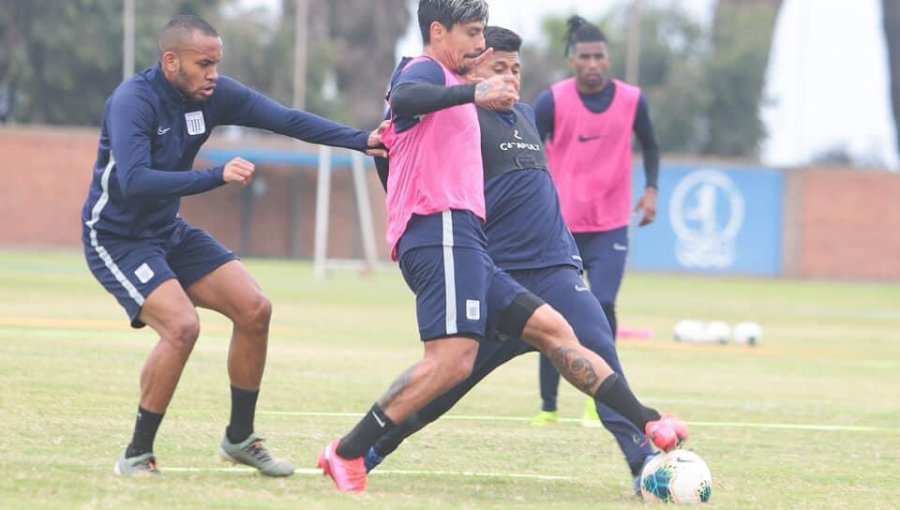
183	331
548	329
452	370
255	317
456	371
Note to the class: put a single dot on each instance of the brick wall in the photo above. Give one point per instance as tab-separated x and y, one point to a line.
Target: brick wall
838	223
846	224
48	173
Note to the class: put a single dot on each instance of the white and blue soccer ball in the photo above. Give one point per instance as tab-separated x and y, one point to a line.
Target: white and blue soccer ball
748	333
688	331
679	476
717	332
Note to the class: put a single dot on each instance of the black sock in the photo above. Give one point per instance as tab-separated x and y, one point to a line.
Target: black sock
616	394
373	425
392	439
243	411
145	426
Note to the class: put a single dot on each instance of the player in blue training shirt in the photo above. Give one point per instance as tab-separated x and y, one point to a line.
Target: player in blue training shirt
160	268
528	239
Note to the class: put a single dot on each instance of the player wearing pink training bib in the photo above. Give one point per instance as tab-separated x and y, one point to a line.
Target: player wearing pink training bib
442	250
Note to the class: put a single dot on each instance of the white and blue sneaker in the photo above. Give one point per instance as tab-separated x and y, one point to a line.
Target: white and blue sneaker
372	460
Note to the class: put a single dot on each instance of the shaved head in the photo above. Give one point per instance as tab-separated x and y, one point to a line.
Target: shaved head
180	30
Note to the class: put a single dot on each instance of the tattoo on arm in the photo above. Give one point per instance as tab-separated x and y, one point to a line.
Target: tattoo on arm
396	388
482	88
575	368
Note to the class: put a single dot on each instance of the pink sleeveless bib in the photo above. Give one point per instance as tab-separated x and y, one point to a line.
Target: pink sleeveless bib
590	157
435	166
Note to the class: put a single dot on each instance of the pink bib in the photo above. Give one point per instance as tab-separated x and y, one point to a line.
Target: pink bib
435	166
590	157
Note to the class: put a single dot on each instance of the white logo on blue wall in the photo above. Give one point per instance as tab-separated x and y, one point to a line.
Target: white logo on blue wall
707	212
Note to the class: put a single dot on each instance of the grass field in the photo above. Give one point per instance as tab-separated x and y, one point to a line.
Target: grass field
808	419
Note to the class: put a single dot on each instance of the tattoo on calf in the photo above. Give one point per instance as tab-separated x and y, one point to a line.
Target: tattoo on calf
397	386
575	368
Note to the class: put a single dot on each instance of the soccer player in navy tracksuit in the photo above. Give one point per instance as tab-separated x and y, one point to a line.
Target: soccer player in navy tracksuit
587	123
158	266
527	238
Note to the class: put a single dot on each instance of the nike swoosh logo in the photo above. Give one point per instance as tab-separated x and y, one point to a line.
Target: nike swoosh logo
161	131
685	461
619	247
579	288
380	422
582	138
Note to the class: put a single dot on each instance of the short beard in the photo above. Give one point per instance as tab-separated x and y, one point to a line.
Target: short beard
182	78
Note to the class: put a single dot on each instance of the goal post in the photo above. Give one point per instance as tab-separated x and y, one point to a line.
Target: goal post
321	261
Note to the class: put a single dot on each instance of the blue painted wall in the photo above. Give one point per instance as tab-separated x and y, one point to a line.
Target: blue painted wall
712	220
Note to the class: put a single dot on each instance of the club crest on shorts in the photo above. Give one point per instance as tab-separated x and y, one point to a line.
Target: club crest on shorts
473	309
143	273
195	123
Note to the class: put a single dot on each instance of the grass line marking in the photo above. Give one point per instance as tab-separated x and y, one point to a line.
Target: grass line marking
107	325
750	425
402	472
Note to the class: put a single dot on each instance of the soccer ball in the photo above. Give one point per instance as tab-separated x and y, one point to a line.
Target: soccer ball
688	331
747	333
718	332
679	476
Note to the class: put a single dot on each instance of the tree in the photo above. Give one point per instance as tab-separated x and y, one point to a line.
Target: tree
891	14
351	55
735	73
63	59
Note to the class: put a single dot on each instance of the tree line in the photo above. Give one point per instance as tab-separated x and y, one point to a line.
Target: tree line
61	60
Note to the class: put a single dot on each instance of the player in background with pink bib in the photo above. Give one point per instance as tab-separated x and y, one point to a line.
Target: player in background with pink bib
587	123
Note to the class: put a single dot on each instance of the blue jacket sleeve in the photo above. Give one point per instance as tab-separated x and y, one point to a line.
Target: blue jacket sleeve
545	114
643	128
130	124
240	105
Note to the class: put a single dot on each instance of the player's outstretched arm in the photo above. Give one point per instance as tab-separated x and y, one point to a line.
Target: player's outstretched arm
240	105
374	146
409	100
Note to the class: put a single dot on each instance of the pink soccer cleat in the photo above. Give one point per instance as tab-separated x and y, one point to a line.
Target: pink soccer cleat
348	475
667	433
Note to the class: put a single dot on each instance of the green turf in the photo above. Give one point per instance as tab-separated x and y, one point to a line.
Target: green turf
830	357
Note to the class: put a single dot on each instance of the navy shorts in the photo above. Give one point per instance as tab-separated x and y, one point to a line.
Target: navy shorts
457	285
604	255
450	284
130	269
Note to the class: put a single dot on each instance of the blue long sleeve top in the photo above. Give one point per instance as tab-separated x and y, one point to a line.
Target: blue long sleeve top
150	136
